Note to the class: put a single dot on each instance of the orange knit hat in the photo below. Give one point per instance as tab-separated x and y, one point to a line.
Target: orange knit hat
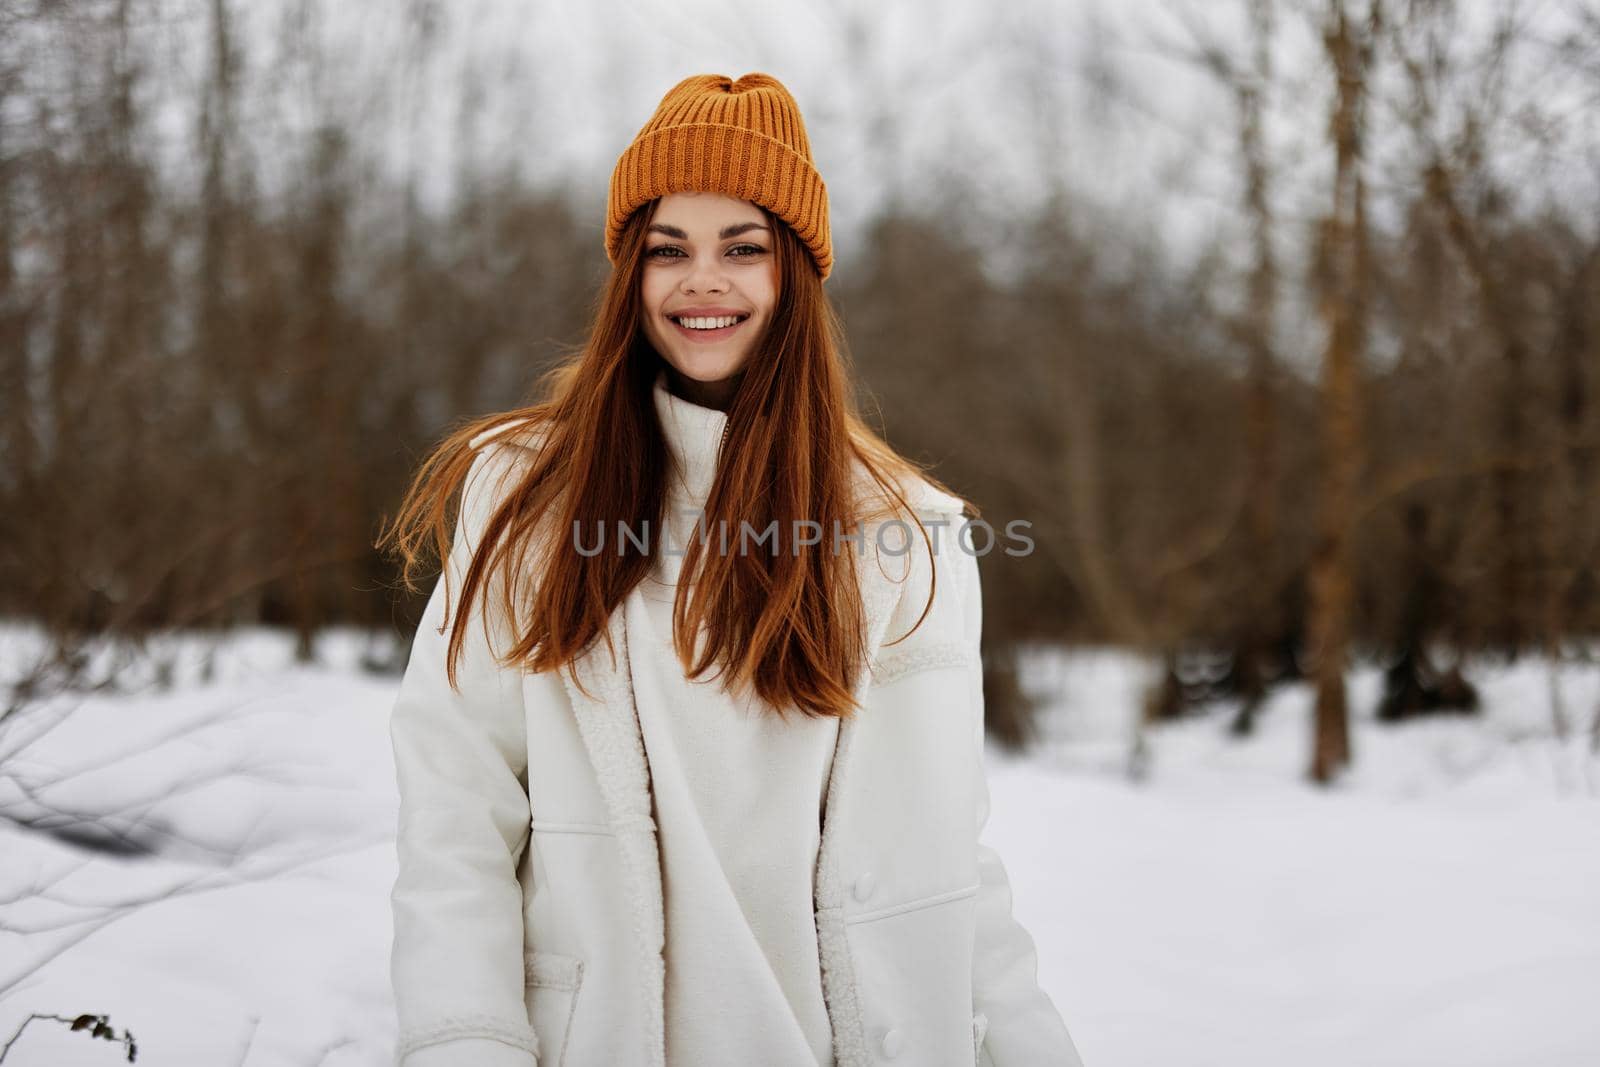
742	138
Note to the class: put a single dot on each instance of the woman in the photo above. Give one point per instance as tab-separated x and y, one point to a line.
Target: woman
618	845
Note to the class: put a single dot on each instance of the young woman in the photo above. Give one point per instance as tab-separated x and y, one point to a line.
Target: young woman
696	776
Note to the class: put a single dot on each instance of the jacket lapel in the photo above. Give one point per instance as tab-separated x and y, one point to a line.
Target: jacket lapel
879	594
609	724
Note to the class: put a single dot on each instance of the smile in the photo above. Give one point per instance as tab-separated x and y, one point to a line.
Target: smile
704	335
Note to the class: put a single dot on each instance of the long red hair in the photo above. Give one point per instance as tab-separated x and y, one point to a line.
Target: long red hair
788	623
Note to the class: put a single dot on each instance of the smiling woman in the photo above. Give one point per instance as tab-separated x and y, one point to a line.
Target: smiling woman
607	857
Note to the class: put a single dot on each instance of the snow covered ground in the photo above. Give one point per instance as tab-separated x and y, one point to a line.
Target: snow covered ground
1441	906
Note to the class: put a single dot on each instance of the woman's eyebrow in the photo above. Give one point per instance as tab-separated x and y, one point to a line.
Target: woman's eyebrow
727	231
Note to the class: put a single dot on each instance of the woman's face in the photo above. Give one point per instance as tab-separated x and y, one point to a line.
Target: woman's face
708	258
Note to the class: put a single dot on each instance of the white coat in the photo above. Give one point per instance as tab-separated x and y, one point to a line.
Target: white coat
528	910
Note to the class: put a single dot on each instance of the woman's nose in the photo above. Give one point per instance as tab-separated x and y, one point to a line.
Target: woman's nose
703	275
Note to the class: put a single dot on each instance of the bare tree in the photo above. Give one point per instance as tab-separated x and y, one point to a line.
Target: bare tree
1342	283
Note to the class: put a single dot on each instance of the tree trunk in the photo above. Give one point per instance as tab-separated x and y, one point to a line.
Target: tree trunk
1264	617
1342	279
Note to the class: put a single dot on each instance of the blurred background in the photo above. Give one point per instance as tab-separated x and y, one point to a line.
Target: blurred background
1278	320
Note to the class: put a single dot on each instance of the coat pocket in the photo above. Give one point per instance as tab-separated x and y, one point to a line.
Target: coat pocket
980	1028
551	984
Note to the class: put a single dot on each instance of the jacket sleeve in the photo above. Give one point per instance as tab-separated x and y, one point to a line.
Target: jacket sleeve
1023	1027
461	764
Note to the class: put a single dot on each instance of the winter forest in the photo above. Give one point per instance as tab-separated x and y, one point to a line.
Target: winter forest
1277	321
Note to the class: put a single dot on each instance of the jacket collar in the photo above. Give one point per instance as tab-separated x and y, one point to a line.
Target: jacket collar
694	440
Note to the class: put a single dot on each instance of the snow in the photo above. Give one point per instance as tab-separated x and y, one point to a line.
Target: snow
1438	905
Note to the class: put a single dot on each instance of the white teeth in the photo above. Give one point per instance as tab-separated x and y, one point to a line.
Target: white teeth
708	324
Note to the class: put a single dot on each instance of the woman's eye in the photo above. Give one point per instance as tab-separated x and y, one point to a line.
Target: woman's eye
674	252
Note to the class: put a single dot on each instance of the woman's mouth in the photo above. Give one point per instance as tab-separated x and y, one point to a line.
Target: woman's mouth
706	330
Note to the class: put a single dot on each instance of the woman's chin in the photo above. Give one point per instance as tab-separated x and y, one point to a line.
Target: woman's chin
706	371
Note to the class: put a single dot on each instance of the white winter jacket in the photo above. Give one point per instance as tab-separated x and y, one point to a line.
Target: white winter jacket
528	911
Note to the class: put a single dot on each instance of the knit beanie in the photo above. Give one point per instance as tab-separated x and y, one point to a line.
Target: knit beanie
741	138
